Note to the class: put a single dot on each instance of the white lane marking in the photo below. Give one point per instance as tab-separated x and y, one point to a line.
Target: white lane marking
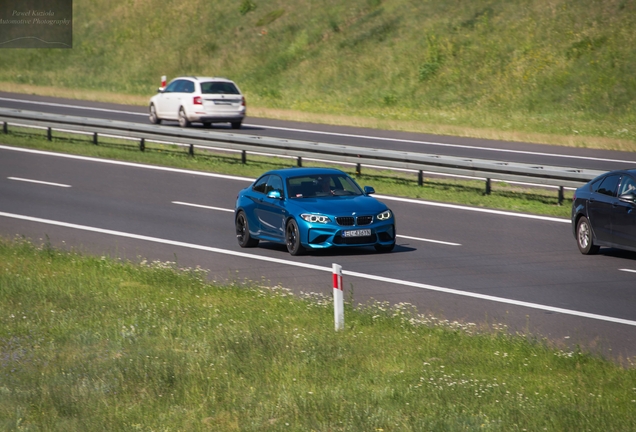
475	209
245	179
129	164
39	182
202	206
232	211
429	240
627	270
321	268
368	137
71	106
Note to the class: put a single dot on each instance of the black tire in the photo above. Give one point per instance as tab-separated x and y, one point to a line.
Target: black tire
243	232
183	120
383	248
585	237
292	239
154	119
207	124
236	125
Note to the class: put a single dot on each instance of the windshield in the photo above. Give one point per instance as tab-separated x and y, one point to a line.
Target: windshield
322	186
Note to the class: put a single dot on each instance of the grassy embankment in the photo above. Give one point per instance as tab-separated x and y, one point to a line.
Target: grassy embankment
544	71
91	343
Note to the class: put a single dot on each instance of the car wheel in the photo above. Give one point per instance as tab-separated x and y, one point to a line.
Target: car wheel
154	119
585	238
383	248
243	232
236	125
207	124
292	238
183	120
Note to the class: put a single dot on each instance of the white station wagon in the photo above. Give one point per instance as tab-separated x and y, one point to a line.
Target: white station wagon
204	100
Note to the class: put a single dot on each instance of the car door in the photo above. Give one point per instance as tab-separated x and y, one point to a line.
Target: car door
174	99
601	207
624	214
271	212
166	100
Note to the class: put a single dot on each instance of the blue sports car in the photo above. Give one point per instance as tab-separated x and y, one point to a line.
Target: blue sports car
312	208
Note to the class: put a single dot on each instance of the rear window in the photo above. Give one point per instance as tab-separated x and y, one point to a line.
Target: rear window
212	87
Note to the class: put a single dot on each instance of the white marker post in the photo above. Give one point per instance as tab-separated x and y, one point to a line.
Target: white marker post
338	297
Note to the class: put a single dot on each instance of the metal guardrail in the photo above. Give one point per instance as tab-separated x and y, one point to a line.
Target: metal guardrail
360	156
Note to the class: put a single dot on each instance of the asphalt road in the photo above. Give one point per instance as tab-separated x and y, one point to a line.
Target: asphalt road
457	263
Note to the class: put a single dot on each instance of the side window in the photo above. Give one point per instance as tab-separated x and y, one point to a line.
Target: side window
260	184
628	185
608	186
172	87
188	87
274	183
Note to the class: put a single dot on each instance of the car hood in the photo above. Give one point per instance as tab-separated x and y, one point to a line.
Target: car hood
342	205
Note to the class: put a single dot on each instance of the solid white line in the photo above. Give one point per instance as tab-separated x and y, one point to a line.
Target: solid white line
129	164
475	209
429	240
369	137
627	270
71	106
39	182
245	179
325	269
202	206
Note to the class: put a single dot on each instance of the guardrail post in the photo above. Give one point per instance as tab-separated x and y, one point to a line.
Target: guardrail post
299	162
142	145
5	127
49	134
488	187
95	138
420	178
243	157
561	197
358	169
338	297
191	150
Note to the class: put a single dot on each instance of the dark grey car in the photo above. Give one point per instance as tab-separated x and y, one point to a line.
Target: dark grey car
604	212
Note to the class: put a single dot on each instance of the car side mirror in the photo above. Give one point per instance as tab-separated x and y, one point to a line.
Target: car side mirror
274	194
628	198
160	90
368	190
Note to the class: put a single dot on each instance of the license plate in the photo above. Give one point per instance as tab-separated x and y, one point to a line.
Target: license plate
357	233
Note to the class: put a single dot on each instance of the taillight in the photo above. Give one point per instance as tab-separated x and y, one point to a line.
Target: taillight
243	101
197	100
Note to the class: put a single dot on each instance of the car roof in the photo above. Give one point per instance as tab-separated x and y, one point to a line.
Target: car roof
308	171
199	78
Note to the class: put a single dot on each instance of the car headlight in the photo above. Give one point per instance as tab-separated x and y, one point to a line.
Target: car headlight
316	218
385	215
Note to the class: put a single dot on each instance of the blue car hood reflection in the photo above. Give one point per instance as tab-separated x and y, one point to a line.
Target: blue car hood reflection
340	205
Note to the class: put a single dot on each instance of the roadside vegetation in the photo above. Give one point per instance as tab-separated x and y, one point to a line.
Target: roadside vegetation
547	71
94	343
503	196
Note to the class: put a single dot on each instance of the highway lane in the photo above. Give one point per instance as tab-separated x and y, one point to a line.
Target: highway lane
405	141
451	261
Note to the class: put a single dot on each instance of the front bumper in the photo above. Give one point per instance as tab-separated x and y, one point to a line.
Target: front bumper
317	237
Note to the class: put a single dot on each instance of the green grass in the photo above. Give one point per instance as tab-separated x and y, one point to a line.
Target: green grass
468	192
530	70
93	343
